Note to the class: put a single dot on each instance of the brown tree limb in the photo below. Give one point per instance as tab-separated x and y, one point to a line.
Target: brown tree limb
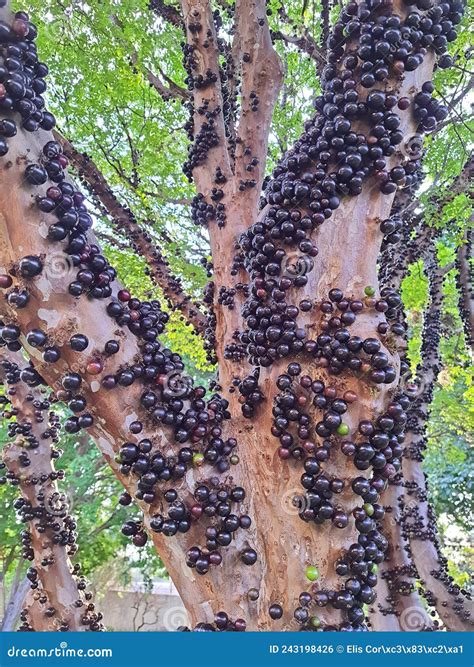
398	592
463	263
207	95
415	562
325	31
210	160
262	74
411	524
258	65
256	61
166	11
455	608
171	91
56	587
126	223
52	309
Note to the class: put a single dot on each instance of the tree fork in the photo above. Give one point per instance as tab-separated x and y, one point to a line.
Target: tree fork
232	174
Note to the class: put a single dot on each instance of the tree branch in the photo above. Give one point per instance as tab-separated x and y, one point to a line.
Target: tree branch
168	12
463	264
398	592
172	91
57	588
209	151
262	74
453	606
112	417
305	43
415	560
126	223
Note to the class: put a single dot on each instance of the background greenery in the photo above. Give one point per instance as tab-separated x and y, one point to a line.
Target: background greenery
100	53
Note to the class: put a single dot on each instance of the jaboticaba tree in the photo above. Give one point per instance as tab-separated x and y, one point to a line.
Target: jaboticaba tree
262	493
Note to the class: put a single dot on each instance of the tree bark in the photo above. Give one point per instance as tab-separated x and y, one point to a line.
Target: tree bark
454	607
398	600
414	563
